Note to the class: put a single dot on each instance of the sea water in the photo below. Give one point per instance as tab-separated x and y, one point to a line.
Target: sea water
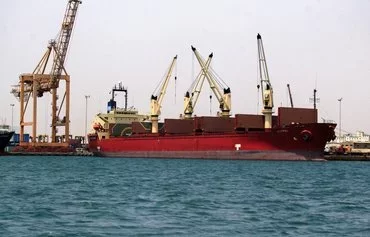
71	196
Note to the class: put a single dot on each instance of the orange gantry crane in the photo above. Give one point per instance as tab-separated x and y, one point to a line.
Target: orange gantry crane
34	85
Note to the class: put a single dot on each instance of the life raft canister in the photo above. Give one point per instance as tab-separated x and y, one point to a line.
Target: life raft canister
306	135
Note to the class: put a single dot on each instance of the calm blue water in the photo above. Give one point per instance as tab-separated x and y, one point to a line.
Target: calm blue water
56	196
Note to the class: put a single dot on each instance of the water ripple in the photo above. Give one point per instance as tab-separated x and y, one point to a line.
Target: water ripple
57	196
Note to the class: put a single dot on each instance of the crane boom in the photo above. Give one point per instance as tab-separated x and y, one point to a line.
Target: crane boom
224	98
156	100
191	98
165	84
61	44
267	92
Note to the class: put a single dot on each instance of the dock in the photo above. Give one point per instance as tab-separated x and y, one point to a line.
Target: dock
347	157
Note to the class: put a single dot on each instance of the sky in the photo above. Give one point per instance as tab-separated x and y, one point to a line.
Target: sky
322	44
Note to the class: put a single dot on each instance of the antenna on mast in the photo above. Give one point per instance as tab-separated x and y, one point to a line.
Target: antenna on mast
314	100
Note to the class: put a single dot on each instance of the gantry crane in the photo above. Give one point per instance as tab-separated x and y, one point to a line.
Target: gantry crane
35	84
157	97
290	96
192	94
267	92
224	99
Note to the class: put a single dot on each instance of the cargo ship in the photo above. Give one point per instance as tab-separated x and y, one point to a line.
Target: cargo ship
5	136
293	134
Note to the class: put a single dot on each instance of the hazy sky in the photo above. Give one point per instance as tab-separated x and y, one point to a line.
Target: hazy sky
307	43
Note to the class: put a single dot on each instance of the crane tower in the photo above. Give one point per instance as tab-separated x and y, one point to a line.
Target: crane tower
34	85
267	92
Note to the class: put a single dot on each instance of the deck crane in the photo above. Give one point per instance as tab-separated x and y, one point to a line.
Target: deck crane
224	99
157	98
266	88
290	96
192	95
35	84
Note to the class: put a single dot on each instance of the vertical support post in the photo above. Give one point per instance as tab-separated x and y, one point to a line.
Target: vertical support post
12	105
268	118
53	114
154	124
34	120
21	108
67	108
86	97
340	117
125	100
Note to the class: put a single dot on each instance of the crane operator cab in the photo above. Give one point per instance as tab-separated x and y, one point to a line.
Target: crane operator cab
267	95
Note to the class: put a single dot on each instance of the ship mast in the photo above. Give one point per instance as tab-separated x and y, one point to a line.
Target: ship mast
157	98
224	99
267	92
112	102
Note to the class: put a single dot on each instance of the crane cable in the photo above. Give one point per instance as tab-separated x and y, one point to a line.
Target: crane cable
156	89
192	79
218	79
175	80
192	67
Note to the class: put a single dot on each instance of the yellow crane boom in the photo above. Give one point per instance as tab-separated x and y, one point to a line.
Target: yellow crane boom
192	95
157	98
224	99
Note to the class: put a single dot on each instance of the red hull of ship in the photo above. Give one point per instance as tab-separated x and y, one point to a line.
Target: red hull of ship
294	142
